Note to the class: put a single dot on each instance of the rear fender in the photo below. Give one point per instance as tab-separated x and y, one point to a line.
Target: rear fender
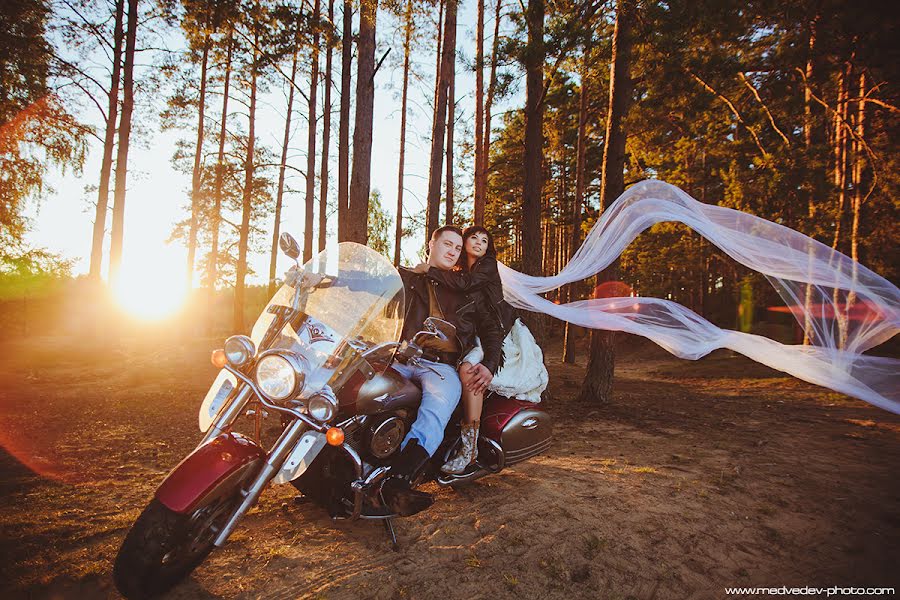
212	469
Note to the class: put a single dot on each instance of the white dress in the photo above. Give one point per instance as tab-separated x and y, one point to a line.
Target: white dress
523	375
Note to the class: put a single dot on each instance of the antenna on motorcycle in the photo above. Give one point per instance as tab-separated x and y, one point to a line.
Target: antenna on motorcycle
289	245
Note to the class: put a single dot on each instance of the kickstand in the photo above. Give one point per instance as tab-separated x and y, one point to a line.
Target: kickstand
389	526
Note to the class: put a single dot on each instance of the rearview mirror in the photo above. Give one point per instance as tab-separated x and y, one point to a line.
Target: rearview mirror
289	245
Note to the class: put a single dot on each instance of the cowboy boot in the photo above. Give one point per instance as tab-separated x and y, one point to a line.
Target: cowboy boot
397	489
468	450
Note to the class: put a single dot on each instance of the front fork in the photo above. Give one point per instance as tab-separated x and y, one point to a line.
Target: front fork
275	459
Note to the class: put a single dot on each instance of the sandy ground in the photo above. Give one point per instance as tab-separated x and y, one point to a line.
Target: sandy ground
700	476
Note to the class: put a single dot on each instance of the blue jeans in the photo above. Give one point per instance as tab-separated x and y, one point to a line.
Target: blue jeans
439	399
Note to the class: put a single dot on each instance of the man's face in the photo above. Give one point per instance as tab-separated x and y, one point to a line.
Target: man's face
444	251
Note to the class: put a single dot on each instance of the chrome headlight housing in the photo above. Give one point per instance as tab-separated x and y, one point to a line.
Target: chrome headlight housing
322	406
280	374
239	349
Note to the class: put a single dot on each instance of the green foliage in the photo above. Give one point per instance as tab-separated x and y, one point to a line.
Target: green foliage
721	110
36	132
380	227
32	273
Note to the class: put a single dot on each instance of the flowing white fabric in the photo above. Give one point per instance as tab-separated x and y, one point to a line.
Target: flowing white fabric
523	375
846	308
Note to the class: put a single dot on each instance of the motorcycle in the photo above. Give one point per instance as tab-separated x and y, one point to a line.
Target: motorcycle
319	356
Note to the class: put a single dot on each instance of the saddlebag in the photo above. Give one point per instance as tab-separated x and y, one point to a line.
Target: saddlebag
521	428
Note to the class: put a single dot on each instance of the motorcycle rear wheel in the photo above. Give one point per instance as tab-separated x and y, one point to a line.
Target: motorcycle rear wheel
163	547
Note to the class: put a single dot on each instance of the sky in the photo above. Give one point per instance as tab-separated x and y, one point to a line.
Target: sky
158	197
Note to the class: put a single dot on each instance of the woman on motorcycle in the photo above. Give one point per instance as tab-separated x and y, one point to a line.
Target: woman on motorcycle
522	373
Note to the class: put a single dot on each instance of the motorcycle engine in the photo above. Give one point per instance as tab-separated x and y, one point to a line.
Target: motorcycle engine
385	437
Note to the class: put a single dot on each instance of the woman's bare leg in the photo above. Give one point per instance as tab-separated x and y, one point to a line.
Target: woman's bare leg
468	448
472	402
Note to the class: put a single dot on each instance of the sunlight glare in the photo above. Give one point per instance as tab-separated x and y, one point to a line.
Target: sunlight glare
152	285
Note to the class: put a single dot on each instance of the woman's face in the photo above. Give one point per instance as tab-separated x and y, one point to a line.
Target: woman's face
477	244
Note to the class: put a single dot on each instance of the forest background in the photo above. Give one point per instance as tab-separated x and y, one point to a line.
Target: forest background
529	117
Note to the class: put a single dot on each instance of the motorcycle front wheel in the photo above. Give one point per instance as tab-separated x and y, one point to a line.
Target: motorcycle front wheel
163	547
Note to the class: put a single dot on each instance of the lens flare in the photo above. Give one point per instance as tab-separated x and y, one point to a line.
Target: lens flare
613	289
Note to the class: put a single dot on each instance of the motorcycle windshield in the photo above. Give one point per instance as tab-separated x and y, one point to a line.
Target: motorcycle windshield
350	294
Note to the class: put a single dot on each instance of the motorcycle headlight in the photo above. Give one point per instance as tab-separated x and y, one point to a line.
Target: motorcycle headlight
239	349
321	407
279	375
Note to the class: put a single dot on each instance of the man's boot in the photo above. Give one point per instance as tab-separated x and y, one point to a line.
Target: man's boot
397	488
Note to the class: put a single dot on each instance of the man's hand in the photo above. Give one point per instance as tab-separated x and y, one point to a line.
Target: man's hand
421	268
476	378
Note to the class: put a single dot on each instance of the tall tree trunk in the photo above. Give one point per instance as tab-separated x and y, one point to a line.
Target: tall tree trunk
534	152
808	128
344	125
246	200
451	122
362	130
486	141
215	220
840	151
118	216
808	125
580	154
198	164
279	196
109	142
841	124
598	380
438	54
857	176
326	133
311	139
407	39
448	51
479	114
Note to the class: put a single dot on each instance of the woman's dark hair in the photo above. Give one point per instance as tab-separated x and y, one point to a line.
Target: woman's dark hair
469	232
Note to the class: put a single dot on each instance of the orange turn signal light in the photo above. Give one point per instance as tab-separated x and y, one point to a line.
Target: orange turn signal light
218	358
335	436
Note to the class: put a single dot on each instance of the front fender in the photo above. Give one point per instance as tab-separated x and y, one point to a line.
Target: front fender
213	468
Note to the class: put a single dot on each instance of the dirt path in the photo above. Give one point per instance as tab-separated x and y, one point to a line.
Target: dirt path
700	476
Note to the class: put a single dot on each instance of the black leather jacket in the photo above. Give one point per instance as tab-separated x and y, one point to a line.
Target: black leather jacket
467	312
484	280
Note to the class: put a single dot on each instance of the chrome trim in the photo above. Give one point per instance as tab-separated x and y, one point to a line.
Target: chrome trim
498	449
378	517
273	463
521	454
327	396
380	347
374	476
312	424
247	346
445	479
530	423
357	493
295	361
389	422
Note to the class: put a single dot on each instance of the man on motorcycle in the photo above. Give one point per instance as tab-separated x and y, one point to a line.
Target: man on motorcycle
437	370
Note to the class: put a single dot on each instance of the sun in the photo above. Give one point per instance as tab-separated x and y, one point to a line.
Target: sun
152	284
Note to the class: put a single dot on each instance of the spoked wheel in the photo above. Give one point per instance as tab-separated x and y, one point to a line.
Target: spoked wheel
163	546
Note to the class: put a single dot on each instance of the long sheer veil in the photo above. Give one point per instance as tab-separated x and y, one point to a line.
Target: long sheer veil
845	307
